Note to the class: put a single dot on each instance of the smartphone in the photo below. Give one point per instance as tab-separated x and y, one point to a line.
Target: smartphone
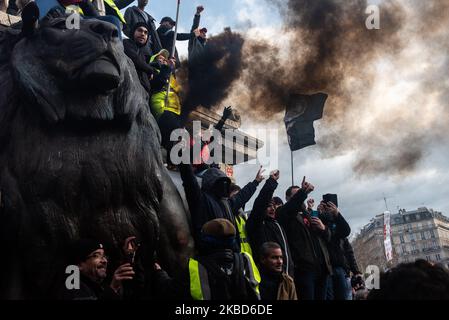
330	197
314	214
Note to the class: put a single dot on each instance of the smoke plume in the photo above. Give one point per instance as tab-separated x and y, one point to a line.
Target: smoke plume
388	88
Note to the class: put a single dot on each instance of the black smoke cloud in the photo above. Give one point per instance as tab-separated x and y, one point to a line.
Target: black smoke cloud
207	79
329	49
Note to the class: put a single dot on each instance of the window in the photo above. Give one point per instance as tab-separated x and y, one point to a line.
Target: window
437	257
401	237
412	237
427	258
432	234
404	250
423	237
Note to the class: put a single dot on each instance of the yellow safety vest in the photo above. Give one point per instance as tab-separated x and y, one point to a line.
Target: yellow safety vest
244	245
112	4
158	102
74	8
199	280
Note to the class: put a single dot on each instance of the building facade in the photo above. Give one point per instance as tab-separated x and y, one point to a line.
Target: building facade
416	234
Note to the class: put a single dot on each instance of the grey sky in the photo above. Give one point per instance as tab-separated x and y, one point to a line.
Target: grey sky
401	100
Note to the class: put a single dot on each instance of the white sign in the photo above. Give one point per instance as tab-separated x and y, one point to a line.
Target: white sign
387	237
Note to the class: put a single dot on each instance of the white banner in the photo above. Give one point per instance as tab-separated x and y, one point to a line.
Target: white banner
387	237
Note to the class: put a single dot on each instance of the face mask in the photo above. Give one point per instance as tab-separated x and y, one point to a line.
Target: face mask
221	188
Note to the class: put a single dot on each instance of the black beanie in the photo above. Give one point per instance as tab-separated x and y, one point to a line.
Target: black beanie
82	248
140	24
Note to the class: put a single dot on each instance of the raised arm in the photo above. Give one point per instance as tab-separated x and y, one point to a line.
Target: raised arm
243	196
263	199
342	228
191	186
197	18
293	206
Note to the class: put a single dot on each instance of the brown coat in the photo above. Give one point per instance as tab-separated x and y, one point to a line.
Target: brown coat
287	290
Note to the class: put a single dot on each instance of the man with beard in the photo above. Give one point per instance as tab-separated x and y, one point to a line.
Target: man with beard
166	34
137	50
136	14
89	256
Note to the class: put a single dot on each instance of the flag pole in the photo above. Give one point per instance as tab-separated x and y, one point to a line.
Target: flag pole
291	158
173	50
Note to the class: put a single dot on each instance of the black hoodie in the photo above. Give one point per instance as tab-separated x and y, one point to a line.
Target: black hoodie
205	206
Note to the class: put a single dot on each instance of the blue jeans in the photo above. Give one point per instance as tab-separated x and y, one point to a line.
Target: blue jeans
337	286
311	285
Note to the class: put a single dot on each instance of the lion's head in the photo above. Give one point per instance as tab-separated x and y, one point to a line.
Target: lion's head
77	73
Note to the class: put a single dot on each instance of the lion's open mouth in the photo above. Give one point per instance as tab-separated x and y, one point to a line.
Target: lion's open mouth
101	74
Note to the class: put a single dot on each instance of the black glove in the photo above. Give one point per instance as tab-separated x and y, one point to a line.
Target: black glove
227	113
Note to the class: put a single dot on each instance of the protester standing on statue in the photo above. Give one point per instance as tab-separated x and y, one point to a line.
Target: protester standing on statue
262	225
166	34
166	109
137	50
307	237
137	14
337	287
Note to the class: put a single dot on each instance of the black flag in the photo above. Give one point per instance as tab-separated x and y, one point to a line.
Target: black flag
300	113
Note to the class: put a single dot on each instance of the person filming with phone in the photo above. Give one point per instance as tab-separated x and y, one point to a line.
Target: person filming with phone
307	236
337	287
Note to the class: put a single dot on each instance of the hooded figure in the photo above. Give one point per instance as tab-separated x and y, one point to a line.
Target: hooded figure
137	50
212	200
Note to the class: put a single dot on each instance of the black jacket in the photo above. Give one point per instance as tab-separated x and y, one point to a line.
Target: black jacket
161	77
205	206
351	262
89	290
140	56
134	15
340	229
261	228
308	246
166	36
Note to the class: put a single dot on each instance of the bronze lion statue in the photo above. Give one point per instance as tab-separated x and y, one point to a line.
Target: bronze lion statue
80	157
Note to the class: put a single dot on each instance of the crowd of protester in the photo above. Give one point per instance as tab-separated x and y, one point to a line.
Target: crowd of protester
281	250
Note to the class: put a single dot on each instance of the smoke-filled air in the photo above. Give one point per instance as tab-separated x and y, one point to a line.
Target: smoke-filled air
388	87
